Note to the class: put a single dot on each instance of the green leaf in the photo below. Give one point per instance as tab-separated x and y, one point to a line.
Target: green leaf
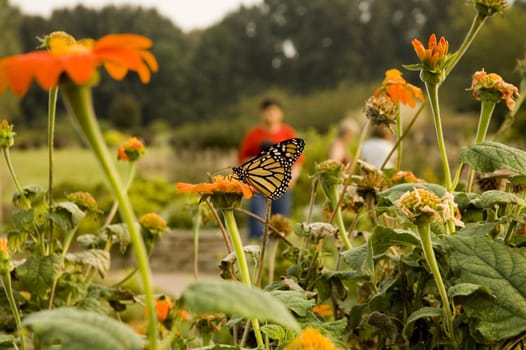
31	192
393	193
490	156
296	301
235	298
38	273
421	313
356	257
490	198
499	268
384	237
273	331
24	220
98	258
465	289
477	229
119	233
81	330
66	215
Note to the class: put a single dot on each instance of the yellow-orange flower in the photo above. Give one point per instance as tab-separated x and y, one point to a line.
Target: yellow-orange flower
311	339
434	56
491	86
398	89
118	53
220	185
153	222
322	309
131	150
3	245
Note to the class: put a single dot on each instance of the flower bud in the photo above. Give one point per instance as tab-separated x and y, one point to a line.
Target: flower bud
7	135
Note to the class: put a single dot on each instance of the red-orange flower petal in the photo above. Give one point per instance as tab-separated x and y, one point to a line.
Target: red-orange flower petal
220	185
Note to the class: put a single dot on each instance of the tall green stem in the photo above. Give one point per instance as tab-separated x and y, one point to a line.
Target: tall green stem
432	92
23	199
231	225
79	103
6	280
477	23
333	199
399	131
486	111
52	107
424	231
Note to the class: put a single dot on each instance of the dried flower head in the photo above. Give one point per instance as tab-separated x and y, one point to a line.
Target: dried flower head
84	200
153	223
281	223
398	89
491	87
7	135
131	150
487	8
381	110
311	339
421	205
405	177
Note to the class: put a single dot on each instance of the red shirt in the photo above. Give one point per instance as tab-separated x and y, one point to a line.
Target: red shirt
258	139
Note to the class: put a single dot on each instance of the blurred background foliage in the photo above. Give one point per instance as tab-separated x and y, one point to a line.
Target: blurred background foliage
321	58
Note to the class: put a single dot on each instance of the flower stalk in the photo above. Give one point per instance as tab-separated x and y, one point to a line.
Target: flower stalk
231	225
79	103
6	281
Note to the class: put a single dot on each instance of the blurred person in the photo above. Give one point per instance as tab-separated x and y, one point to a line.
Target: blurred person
339	149
270	130
376	149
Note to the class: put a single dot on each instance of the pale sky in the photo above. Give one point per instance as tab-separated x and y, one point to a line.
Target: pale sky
186	14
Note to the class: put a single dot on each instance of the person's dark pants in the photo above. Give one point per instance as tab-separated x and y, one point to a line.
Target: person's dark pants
258	204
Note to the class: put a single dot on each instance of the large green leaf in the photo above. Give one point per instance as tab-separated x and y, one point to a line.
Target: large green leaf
66	215
393	193
97	258
235	298
296	301
38	273
384	237
496	268
490	156
81	330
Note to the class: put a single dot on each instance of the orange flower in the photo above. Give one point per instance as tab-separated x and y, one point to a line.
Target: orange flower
433	57
3	245
492	87
220	185
163	305
118	53
322	309
131	150
405	177
399	90
311	339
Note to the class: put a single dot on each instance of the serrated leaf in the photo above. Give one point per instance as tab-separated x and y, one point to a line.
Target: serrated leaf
490	156
24	220
81	330
97	258
356	257
465	289
499	268
38	273
393	193
119	233
88	241
294	300
235	298
490	198
384	237
477	229
273	331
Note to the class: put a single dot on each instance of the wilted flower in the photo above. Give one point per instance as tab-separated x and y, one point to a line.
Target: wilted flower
153	223
311	339
491	87
281	223
488	8
84	200
131	150
399	90
381	110
78	59
405	177
7	135
421	205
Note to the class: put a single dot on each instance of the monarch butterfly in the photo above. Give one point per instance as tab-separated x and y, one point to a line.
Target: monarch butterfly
270	171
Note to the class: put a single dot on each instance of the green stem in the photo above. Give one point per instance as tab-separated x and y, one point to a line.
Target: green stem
339	217
6	280
432	92
477	23
52	107
115	206
231	225
23	199
399	131
486	111
424	231
79	103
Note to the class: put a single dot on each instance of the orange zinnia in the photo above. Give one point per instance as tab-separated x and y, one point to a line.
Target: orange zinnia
432	57
118	53
131	150
220	185
398	89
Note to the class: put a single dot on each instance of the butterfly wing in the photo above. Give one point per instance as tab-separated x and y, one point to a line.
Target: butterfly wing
270	171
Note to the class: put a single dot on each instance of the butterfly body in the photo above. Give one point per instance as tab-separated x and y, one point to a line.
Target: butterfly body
270	171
